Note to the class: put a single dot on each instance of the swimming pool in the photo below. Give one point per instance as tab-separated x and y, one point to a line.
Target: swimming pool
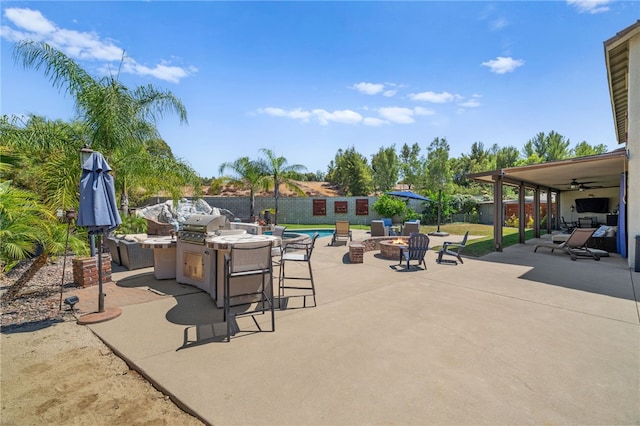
325	232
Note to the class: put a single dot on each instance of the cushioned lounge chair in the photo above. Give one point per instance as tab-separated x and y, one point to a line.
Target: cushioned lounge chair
576	244
409	228
342	232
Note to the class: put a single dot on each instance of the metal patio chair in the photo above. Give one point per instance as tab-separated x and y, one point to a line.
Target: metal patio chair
244	264
297	253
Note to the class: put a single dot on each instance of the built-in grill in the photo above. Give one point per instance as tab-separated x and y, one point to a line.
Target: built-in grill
196	264
198	226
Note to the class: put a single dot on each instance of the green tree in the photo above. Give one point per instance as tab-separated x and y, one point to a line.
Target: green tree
507	157
411	165
276	172
114	116
583	149
247	174
351	172
543	148
386	169
438	172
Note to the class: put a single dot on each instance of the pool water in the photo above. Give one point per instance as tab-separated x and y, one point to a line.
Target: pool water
322	232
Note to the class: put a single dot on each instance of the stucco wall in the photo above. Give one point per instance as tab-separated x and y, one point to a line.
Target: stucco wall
633	145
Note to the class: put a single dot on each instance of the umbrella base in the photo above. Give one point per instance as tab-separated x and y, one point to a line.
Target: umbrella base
96	317
439	234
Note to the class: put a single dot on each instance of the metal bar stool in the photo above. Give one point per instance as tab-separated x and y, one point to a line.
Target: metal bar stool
299	253
244	261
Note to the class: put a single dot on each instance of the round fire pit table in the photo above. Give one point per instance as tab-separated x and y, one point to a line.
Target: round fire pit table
390	249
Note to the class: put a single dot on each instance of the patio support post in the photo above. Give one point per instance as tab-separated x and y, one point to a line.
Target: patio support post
498	213
549	210
522	213
536	212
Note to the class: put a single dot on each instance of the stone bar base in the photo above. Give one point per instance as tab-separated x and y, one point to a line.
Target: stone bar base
85	270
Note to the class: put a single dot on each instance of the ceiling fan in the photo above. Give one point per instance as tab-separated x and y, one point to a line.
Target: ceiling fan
581	186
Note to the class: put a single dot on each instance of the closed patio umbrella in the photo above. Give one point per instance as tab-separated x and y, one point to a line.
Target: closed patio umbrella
98	210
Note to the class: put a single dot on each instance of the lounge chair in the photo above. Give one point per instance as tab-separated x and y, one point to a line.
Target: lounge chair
452	249
412	227
388	223
576	244
342	232
417	249
378	229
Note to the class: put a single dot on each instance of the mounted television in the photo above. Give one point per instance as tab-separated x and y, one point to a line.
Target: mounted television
592	205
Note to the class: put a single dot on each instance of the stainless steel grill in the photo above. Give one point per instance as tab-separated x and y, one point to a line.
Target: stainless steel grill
198	226
196	264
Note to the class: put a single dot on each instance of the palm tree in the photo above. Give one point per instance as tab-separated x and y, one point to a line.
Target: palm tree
114	116
276	170
249	174
25	226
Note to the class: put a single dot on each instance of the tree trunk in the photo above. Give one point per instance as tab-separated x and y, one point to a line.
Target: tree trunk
26	276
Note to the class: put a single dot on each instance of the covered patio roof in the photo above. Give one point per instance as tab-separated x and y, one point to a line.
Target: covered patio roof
601	170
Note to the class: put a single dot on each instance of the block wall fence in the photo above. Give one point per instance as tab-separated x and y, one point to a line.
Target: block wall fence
297	209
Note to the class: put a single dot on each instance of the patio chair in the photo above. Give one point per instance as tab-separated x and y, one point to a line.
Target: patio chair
568	227
276	252
576	244
452	249
378	229
297	253
417	249
388	223
411	227
243	261
342	232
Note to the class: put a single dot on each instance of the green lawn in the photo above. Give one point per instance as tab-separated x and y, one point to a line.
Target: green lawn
475	248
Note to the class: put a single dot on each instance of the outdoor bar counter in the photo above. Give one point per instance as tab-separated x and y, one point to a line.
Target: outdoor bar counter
164	256
221	245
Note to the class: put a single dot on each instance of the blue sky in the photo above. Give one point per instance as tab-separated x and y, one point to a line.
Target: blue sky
308	78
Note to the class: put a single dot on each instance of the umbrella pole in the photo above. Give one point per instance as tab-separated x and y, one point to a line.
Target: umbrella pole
100	293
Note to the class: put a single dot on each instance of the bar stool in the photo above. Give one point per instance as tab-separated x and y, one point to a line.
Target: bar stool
299	253
247	260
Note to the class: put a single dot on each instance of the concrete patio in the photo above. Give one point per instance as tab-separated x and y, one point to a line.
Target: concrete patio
513	338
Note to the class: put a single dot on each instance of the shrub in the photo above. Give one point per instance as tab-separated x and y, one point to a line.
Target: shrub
388	206
133	224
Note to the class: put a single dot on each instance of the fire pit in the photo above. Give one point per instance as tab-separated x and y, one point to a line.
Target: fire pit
390	249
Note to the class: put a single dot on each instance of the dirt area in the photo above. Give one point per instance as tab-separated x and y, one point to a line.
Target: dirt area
54	371
311	189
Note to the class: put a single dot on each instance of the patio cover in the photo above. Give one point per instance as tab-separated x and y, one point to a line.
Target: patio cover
604	169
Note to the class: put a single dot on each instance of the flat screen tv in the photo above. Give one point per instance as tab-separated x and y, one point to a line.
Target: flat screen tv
592	205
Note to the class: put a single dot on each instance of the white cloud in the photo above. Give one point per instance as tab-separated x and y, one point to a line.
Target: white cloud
402	115
386	89
344	116
324	117
373	122
502	65
436	98
498	24
296	114
32	25
368	88
474	102
423	111
590	6
30	20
